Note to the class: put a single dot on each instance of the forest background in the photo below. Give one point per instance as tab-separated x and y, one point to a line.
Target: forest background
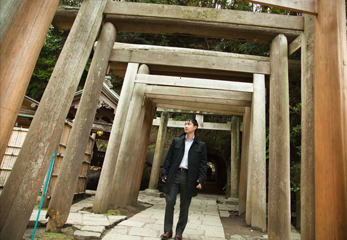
56	38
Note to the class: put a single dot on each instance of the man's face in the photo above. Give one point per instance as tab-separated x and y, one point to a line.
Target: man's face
189	127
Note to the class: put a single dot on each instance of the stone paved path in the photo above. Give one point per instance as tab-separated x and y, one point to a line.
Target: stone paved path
88	224
204	220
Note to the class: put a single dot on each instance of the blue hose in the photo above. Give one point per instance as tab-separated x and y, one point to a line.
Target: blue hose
43	194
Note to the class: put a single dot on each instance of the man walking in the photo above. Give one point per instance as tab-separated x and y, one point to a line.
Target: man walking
184	171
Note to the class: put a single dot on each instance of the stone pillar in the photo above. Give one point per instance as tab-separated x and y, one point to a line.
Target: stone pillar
330	94
259	154
235	157
146	130
248	217
279	177
103	191
244	161
122	174
21	43
60	204
23	186
159	147
307	132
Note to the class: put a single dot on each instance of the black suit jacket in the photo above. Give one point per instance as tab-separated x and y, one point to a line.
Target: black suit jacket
197	164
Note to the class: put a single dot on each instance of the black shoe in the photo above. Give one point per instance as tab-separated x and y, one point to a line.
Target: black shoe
178	236
166	235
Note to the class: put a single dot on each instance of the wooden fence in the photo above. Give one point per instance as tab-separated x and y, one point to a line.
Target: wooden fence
13	147
15	143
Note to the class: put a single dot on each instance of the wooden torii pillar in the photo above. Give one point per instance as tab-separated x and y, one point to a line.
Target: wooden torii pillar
23	29
244	160
330	91
120	196
103	194
141	153
23	186
157	160
330	113
60	204
235	157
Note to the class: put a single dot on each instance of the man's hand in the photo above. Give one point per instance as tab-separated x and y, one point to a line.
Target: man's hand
199	185
163	180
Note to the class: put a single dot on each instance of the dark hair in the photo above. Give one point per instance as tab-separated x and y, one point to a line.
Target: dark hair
193	120
195	123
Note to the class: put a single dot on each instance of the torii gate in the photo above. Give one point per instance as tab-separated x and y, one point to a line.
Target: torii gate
330	131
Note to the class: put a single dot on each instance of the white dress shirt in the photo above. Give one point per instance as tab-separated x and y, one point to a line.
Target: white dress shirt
188	144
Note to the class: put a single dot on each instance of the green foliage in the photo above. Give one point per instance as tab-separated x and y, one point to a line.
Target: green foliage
220	141
294	177
47	59
112	212
235	46
103	146
46	62
180	117
73	3
295	136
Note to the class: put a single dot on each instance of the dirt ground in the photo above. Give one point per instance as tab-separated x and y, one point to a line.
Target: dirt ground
235	224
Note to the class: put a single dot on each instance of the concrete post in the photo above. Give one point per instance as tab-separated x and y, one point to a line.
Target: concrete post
146	130
307	193
60	204
259	154
22	188
103	191
244	161
235	157
330	94
248	216
23	29
122	174
159	147
279	177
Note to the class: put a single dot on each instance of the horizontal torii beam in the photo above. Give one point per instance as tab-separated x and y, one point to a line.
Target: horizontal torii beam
182	57
204	22
202	63
194	82
233	98
203	125
171	110
199	109
295	45
205	107
160	12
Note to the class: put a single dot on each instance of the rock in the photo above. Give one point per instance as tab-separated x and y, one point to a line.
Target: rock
68	231
86	235
236	237
97	229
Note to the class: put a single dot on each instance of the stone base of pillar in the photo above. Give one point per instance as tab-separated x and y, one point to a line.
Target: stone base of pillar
232	201
154	193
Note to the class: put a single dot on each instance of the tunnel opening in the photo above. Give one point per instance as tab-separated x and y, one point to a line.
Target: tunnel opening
218	179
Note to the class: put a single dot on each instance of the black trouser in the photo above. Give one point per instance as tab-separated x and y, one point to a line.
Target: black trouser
180	185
